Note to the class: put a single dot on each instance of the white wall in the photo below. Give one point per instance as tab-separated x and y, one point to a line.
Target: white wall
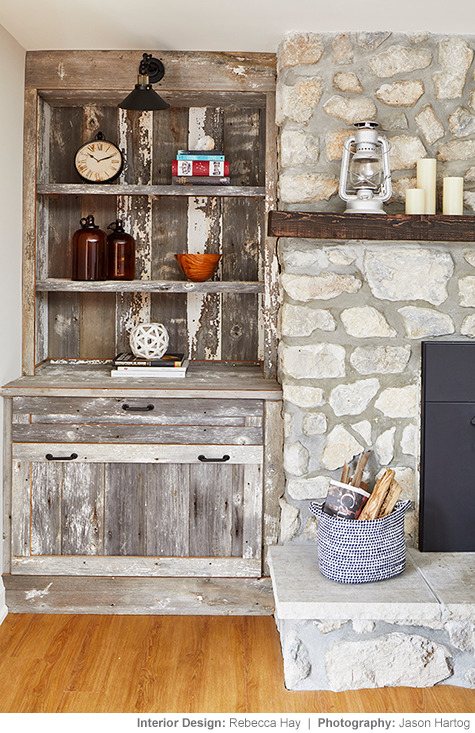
12	64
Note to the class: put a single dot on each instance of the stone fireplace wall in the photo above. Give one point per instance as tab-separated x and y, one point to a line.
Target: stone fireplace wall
354	313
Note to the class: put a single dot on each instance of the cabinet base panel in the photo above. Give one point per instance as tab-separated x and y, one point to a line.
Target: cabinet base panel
139	596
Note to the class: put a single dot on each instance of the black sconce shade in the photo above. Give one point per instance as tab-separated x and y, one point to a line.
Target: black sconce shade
143	97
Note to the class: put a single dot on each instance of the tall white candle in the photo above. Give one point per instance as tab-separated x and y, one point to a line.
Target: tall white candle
426	176
452	195
415	201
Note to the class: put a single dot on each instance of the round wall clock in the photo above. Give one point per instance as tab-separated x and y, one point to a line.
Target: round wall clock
99	161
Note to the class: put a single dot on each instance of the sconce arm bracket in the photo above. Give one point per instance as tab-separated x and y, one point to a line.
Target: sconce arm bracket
152	67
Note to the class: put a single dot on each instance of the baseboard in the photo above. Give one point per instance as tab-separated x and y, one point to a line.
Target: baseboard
135	596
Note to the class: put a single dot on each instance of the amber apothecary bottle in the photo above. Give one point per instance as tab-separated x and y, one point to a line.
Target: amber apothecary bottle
120	253
89	251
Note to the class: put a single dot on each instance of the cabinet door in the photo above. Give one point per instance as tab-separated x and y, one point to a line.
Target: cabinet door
146	510
448	483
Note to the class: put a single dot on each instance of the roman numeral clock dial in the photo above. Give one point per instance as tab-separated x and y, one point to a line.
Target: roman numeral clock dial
99	161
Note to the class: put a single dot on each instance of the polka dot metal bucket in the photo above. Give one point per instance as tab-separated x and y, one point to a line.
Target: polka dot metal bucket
361	551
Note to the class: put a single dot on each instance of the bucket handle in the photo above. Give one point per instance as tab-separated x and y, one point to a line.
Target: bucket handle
317	508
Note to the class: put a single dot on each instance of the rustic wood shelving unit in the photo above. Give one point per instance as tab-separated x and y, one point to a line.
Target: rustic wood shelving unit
106	476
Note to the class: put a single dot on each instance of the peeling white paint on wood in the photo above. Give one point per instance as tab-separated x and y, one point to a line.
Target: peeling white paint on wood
196	123
198	225
202	313
30	594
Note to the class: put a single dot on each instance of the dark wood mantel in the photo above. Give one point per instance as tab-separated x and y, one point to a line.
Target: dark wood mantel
311	225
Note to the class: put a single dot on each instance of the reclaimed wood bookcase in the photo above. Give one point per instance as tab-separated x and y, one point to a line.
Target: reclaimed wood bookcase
150	478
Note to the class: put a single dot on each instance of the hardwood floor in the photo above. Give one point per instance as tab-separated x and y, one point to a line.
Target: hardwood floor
166	664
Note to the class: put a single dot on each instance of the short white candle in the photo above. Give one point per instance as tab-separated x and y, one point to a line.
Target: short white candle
415	201
453	195
426	176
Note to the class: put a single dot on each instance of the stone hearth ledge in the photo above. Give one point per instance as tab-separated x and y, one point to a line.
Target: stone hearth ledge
413	630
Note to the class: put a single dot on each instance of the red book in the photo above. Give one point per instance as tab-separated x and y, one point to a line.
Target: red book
200	168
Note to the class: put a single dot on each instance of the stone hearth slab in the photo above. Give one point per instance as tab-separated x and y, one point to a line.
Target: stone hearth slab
301	591
340	636
451	577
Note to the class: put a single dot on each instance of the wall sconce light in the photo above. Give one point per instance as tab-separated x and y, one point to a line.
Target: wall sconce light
365	162
143	97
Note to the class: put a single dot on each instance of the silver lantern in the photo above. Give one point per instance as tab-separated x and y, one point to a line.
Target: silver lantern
365	179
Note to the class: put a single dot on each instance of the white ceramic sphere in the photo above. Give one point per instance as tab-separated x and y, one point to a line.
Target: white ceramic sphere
149	340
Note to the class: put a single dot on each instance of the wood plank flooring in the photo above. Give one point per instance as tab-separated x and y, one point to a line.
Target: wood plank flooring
174	664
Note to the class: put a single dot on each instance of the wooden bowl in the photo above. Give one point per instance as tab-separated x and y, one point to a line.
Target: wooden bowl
198	267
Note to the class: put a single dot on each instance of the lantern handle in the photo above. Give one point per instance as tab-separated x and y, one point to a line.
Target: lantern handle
345	159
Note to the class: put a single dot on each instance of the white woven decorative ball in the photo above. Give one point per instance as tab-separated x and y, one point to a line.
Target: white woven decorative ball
149	340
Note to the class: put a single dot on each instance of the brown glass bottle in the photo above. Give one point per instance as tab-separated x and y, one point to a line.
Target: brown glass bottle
89	252
120	253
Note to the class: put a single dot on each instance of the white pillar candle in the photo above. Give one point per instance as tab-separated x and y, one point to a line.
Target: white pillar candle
415	201
426	173
453	195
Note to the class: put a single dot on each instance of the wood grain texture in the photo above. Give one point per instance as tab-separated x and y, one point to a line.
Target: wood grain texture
92	453
223	71
135	189
149	286
199	664
83	516
187	434
271	300
375	227
29	236
7	482
139	596
204	380
121	410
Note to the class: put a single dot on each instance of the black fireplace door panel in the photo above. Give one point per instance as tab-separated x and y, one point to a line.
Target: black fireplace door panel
448	470
447	511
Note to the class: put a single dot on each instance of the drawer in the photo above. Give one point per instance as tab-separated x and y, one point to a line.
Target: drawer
137	420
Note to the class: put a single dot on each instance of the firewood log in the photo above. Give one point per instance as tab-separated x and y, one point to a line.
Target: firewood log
345	474
390	499
375	501
363	460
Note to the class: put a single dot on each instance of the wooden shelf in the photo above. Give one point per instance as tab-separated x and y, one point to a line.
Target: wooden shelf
204	379
79	189
385	227
149	286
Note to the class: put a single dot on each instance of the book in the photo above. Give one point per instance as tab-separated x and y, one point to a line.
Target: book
200	168
211	153
161	372
147	373
201	180
199	155
126	358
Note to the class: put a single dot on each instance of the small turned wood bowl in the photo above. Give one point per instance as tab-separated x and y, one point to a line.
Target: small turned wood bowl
198	267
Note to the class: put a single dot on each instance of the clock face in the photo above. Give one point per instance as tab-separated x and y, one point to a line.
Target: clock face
98	161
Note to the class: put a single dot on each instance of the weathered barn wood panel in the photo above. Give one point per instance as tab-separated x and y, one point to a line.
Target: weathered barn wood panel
181	510
206	326
121	409
188	434
129	595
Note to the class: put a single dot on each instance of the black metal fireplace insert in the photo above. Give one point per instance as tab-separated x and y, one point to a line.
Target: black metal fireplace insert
447	510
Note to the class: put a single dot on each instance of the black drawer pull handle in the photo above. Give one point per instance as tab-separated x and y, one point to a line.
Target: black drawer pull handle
51	457
472	421
203	459
131	408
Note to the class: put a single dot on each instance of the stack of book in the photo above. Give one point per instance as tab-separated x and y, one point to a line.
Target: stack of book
200	168
170	366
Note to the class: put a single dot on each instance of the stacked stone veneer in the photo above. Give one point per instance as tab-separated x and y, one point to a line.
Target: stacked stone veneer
354	313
